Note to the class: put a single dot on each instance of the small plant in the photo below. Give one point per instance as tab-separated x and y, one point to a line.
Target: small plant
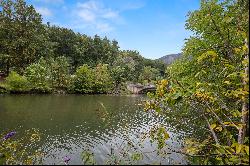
88	158
14	150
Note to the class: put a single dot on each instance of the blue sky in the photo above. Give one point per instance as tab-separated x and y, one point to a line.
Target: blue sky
152	27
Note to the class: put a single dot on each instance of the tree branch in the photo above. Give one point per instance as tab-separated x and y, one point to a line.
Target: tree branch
212	131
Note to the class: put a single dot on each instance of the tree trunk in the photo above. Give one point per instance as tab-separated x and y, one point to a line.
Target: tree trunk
8	68
244	110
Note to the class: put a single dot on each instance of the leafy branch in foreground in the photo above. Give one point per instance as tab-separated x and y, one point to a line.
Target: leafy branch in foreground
212	80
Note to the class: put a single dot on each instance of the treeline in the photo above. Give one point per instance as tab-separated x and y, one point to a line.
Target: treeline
39	57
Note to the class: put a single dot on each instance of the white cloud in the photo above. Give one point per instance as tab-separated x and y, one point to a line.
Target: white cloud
134	5
90	5
109	14
87	15
95	15
93	10
104	27
51	1
44	11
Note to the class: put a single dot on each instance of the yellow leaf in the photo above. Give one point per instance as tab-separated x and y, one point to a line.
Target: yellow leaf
233	145
28	161
237	50
198	83
245	62
213	126
219	128
247	149
166	135
244	48
244	34
238	148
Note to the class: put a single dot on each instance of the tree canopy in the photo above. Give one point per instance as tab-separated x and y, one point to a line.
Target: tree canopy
212	81
24	40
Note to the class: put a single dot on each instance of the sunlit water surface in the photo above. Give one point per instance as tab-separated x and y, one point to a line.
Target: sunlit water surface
71	124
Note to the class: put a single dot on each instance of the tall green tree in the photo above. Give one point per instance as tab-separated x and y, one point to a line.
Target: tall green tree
68	44
102	50
22	36
122	70
59	68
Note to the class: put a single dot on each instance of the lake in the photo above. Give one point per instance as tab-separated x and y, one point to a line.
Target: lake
71	124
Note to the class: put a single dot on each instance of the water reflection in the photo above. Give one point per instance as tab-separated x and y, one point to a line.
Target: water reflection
70	124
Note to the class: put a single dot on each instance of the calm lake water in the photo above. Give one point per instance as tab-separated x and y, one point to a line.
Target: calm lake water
70	124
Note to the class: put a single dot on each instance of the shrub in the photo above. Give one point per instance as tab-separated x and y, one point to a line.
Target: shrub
17	83
38	77
3	88
103	80
83	80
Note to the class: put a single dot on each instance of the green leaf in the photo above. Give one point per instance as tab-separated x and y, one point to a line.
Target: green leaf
228	19
197	74
136	156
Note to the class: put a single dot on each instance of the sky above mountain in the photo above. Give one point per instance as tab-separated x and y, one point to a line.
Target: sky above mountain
152	27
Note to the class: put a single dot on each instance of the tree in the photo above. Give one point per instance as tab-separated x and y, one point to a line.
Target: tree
211	80
122	70
96	80
149	74
102	79
22	37
84	80
101	50
59	69
67	44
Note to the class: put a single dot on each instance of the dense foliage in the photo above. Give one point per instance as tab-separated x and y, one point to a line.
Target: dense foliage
24	40
212	81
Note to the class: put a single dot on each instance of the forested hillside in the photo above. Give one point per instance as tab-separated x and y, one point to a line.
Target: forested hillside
40	58
168	59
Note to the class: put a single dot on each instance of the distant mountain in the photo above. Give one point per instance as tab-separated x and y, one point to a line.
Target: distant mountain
168	59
